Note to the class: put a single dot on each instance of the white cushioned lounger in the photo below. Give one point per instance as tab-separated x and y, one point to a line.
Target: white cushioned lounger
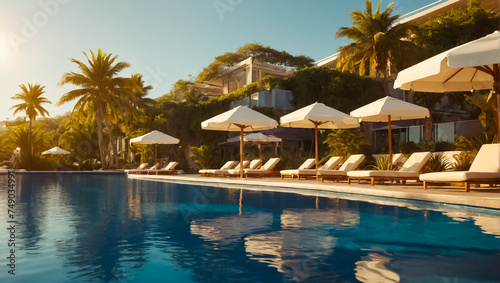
294	172
211	172
409	171
331	164
350	164
485	169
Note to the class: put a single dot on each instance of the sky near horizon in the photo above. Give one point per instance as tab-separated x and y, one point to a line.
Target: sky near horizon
162	40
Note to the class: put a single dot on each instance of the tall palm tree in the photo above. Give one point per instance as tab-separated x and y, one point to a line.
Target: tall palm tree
378	41
101	91
32	98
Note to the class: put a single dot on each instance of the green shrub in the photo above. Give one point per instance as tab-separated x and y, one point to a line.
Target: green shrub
203	155
347	142
463	161
380	163
437	163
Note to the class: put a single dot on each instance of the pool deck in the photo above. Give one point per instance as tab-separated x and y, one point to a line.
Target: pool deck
484	196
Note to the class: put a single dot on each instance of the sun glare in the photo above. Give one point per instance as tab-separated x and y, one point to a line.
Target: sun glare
3	46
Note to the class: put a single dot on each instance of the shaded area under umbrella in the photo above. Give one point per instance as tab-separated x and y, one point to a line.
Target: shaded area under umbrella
258	138
239	119
155	137
388	109
318	116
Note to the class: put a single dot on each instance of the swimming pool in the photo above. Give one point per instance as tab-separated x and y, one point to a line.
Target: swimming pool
91	228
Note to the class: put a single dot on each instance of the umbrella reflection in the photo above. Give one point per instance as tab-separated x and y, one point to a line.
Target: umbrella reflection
372	268
224	231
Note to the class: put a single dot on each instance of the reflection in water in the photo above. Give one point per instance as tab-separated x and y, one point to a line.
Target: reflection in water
489	224
373	268
303	243
84	228
226	230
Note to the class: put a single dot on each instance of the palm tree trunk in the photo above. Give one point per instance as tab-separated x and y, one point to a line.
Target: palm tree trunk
99	139
112	142
30	145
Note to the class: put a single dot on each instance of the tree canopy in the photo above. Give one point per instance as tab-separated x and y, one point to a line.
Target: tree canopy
377	41
255	50
454	28
344	91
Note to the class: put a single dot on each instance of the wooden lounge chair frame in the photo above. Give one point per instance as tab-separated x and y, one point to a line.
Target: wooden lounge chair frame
486	162
295	172
211	172
351	163
265	170
169	169
331	164
411	167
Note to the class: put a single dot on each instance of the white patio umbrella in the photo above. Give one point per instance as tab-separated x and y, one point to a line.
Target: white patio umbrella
55	151
155	137
471	66
239	119
318	116
388	109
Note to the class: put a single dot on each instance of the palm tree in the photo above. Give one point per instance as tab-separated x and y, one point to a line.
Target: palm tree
32	98
101	91
141	91
378	41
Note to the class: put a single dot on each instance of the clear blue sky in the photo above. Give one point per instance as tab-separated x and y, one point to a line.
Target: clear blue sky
163	40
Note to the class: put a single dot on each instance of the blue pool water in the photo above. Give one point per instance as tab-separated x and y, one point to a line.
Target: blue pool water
88	228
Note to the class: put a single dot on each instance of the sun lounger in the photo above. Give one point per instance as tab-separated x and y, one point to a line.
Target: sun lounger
266	169
331	164
294	172
254	164
151	170
409	171
211	172
224	172
398	159
145	171
485	169
139	168
350	164
169	169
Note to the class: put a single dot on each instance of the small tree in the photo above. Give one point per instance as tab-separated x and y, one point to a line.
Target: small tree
203	155
347	142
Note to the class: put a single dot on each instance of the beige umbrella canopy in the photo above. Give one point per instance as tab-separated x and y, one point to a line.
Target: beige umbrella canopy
155	137
55	151
318	116
388	109
471	66
239	119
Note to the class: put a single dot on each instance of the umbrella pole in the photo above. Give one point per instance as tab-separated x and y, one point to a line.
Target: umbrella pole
496	89
316	148
241	152
260	153
156	155
390	141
